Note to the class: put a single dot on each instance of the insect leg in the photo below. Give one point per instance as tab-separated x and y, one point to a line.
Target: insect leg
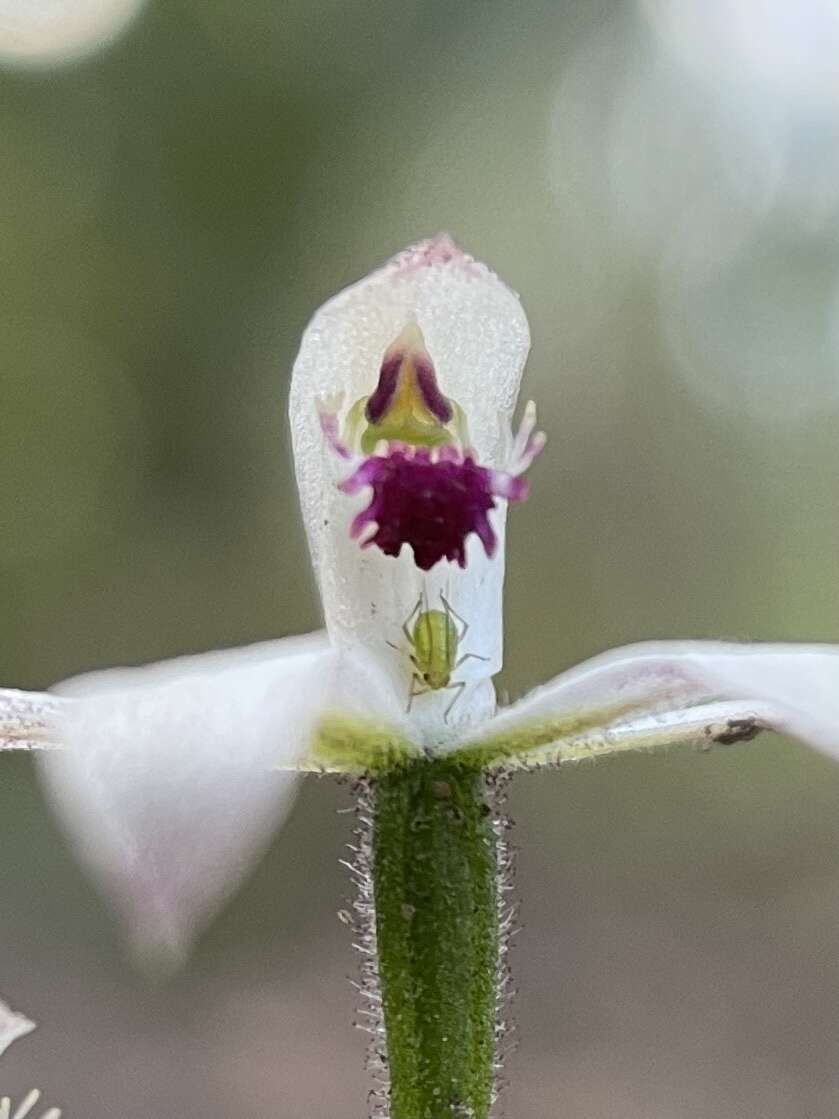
414	692
458	689
409	636
451	610
468	657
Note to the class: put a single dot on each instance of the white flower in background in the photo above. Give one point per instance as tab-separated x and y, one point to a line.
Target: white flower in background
171	778
24	1109
12	1026
52	32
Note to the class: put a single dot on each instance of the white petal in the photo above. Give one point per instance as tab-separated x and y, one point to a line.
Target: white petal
477	336
164	784
474	327
12	1026
27	720
658	692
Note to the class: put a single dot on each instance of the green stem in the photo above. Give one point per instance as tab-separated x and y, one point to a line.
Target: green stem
435	867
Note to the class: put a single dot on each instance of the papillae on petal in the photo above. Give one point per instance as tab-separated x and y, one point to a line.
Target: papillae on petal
476	333
167	778
667	692
28	720
12	1026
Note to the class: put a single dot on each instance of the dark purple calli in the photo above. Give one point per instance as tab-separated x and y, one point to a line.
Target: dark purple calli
392	375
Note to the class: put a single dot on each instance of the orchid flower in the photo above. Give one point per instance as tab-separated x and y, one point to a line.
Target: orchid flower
170	778
24	1110
12	1026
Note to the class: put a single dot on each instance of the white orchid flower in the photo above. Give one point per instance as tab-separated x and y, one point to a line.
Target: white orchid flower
24	1109
12	1026
170	778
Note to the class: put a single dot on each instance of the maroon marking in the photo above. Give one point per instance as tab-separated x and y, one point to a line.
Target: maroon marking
439	250
329	427
380	398
435	402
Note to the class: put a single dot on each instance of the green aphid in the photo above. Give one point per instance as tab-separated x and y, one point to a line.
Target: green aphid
434	637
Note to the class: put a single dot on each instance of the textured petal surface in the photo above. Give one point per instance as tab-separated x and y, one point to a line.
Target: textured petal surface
477	336
165	784
27	720
662	692
12	1026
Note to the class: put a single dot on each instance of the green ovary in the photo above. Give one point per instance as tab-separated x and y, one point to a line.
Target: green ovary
345	743
435	875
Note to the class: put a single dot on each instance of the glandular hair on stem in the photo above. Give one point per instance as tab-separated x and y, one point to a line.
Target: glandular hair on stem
362	914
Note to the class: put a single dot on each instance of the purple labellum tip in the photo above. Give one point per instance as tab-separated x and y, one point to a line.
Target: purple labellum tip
428	501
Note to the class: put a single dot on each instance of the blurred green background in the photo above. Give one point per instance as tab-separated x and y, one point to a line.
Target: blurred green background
660	181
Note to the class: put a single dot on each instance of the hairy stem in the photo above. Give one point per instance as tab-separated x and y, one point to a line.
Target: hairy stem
435	871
